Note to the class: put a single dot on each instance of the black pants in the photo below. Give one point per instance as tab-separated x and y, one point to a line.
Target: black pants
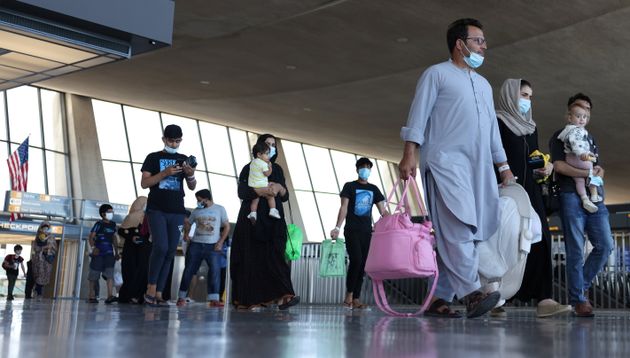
357	245
134	268
30	280
11	278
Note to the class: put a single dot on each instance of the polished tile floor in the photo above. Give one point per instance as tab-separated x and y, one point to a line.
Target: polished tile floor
76	329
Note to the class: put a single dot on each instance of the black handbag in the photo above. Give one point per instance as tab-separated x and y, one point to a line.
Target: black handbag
551	194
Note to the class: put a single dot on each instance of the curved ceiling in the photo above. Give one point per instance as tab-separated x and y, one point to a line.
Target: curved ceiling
342	73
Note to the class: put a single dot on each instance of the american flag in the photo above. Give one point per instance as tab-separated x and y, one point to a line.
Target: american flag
18	170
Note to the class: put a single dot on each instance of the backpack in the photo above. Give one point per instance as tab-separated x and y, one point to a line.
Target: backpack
503	256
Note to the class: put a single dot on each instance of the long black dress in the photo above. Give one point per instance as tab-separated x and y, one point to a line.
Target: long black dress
538	280
257	265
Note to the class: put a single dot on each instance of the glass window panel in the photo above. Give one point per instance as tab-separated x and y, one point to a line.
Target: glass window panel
5	181
120	188
138	177
23	108
320	169
224	192
253	138
375	177
110	130
145	132
53	120
57	174
296	165
386	177
240	149
3	118
344	166
217	147
191	145
329	208
310	217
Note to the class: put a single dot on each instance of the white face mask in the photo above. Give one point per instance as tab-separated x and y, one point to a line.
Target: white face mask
109	216
170	150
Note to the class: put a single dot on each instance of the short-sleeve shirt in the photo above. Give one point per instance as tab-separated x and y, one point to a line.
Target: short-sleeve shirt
168	194
557	149
209	221
256	177
361	198
13	262
104	238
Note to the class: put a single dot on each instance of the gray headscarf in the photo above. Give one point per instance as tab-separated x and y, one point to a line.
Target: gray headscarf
508	110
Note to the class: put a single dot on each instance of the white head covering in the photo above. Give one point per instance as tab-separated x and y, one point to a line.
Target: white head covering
508	110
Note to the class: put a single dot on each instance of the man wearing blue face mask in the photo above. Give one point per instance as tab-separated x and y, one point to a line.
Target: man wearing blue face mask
164	173
359	196
453	123
206	243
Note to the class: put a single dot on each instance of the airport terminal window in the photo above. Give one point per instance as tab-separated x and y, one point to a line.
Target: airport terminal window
218	152
110	129
221	145
36	113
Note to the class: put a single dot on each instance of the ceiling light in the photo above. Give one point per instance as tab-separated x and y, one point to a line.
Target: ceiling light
291	67
205	83
402	40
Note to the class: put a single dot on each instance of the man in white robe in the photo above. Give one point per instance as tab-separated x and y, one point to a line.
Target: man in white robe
453	123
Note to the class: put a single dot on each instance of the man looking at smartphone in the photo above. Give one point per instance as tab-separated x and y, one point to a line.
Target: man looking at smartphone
164	173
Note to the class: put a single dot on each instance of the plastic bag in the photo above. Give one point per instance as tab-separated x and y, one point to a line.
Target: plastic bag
332	262
295	237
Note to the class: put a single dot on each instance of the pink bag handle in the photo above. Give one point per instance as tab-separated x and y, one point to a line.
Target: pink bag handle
403	199
381	298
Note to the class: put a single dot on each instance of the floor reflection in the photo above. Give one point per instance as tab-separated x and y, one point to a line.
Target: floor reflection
77	329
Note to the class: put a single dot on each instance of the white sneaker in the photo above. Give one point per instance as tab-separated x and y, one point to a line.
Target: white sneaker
589	206
274	213
189	300
252	216
596	198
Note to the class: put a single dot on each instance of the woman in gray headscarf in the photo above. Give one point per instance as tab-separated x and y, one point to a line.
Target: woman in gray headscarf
520	139
43	256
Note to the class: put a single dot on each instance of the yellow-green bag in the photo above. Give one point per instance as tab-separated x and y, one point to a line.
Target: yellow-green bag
293	250
332	261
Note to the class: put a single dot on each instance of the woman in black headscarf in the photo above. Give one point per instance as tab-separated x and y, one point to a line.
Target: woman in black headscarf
260	274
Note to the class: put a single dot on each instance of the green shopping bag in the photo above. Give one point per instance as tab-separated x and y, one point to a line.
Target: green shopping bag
293	250
332	262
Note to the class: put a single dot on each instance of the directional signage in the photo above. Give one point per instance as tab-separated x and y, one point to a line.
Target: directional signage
89	210
38	204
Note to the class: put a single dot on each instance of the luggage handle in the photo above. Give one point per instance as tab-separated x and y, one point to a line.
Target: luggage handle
403	199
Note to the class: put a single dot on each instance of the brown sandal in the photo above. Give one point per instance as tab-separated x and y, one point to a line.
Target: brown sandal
441	308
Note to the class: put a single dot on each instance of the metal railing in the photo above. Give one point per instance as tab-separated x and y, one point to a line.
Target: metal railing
610	289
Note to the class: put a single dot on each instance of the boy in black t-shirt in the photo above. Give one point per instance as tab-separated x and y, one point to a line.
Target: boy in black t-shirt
11	265
359	196
104	253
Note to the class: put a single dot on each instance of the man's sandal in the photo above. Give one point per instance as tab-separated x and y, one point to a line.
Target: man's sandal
441	308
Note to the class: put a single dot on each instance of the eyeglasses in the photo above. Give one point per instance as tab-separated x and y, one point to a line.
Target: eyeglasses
478	39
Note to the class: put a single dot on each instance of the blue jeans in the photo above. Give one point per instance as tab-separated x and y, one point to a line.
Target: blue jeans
196	253
575	222
165	234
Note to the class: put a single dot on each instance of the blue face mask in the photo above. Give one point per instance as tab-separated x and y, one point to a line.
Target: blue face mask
364	173
473	60
272	152
170	150
524	105
200	205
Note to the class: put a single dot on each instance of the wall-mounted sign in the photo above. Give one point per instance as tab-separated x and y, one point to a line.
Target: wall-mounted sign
26	226
89	210
38	204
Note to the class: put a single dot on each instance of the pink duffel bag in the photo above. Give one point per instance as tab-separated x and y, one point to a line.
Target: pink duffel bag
401	249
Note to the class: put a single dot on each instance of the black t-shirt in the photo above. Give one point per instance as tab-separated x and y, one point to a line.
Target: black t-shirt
556	147
361	198
12	262
168	194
